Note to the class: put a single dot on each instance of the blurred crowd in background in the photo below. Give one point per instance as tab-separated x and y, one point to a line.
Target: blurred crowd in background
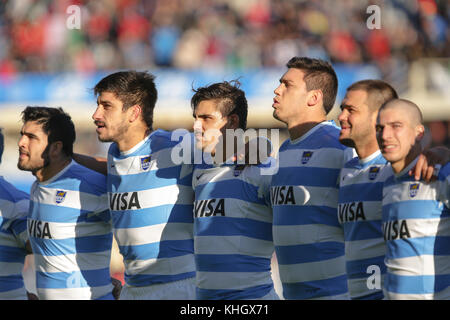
190	34
220	34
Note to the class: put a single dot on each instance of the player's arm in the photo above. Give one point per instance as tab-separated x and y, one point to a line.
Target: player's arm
117	288
425	166
28	247
94	163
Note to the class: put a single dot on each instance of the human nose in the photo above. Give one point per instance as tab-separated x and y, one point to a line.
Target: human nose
342	116
198	125
96	115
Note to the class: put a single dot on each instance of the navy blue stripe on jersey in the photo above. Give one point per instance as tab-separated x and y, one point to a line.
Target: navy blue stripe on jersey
316	289
358	268
234	190
301	215
56	247
366	230
377	295
223	294
138	279
309	176
229	226
11	282
304	253
231	263
151	216
360	192
162	249
12	254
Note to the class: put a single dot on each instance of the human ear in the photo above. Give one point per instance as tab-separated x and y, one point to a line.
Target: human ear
136	111
314	97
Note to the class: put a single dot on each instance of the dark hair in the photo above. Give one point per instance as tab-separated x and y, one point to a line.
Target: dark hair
2	144
378	92
231	99
319	75
132	88
56	124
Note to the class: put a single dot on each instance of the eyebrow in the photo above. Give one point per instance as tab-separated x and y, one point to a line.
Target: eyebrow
346	105
28	134
103	101
286	80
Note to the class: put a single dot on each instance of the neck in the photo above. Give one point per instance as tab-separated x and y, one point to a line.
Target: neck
367	149
132	138
398	166
297	130
52	169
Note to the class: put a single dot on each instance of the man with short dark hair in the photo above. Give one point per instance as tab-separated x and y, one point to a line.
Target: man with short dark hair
151	196
360	191
232	213
308	239
69	224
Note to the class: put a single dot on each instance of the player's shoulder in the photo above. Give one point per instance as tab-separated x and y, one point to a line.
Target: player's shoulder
327	136
85	179
10	193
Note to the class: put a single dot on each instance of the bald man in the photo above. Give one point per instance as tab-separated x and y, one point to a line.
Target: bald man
416	215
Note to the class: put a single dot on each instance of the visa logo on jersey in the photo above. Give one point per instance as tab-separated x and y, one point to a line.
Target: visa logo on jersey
145	162
60	196
209	207
373	172
306	156
413	189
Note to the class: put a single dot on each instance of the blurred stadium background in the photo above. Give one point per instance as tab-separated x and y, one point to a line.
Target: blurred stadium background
190	43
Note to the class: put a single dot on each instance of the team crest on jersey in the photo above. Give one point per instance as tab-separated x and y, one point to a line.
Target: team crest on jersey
306	156
60	196
413	189
373	172
145	162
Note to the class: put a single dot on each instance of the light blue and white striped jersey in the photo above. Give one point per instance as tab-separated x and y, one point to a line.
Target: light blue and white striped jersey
70	231
359	213
13	236
416	228
309	242
232	232
151	202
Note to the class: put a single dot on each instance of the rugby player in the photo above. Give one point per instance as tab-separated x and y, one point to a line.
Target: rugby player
69	224
416	223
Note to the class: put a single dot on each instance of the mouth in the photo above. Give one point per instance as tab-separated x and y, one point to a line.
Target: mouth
100	125
345	129
385	148
275	102
23	154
